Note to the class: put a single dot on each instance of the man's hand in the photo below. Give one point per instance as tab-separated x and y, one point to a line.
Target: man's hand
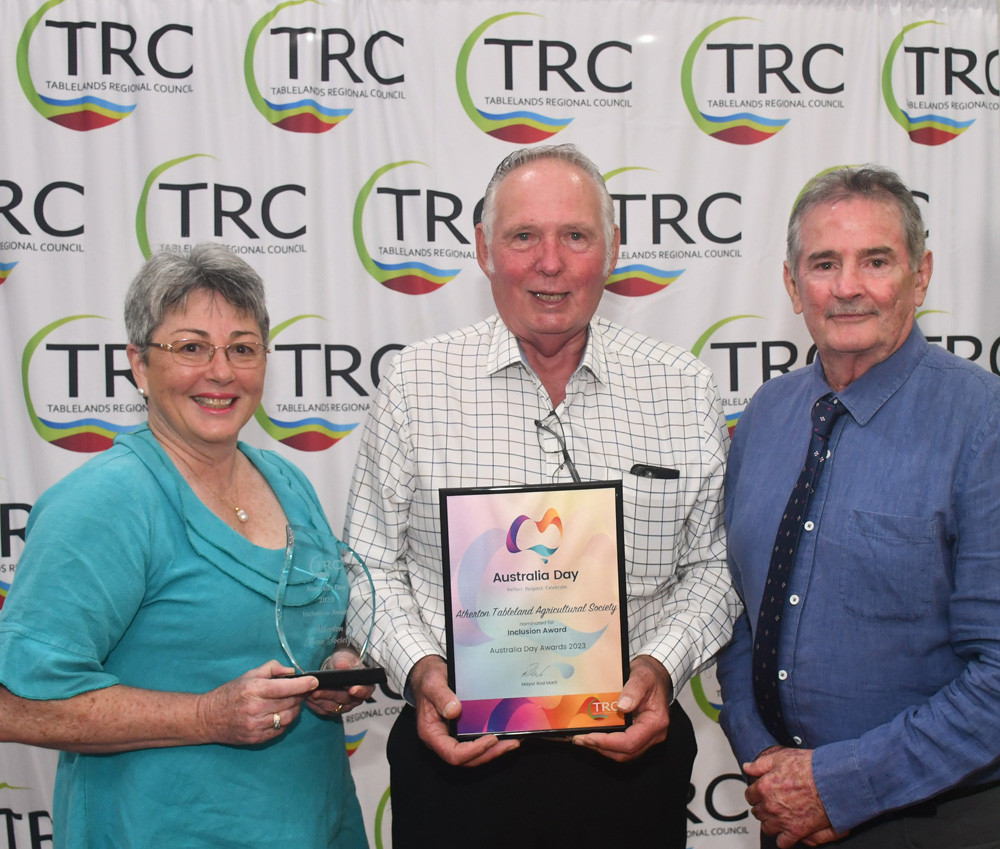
646	695
435	705
784	798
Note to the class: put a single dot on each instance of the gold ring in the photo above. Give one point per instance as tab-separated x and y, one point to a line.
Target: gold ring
338	709
276	721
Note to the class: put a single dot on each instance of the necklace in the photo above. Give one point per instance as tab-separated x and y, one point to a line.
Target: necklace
241	514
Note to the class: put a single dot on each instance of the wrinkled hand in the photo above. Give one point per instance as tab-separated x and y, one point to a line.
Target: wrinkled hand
646	696
241	711
335	702
435	705
784	798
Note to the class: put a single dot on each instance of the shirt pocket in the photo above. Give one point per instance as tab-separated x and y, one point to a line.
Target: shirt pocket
653	518
889	566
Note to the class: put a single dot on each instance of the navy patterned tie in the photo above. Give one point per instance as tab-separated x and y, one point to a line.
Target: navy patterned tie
825	412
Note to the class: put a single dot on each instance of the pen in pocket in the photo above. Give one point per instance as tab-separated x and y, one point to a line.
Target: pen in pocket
644	471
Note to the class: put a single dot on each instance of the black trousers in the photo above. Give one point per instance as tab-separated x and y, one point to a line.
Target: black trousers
544	794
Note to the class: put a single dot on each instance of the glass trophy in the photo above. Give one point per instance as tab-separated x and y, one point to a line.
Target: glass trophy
313	600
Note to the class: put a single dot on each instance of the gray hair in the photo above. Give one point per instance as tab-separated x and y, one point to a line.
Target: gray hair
872	182
569	153
168	277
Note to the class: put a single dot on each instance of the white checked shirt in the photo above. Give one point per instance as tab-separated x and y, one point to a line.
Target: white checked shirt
459	410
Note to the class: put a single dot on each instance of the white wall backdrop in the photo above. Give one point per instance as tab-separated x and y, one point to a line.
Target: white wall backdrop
342	147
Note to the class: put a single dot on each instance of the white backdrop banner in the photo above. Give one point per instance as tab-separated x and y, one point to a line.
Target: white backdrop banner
342	147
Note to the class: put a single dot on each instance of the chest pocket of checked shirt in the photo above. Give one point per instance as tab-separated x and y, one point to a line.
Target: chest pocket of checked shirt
891	567
653	518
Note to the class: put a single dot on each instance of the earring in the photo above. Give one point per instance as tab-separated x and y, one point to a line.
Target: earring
142	392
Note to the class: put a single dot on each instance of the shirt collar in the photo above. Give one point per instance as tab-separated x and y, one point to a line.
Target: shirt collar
866	395
503	348
505	351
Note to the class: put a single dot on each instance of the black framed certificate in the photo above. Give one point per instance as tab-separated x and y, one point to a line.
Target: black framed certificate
535	611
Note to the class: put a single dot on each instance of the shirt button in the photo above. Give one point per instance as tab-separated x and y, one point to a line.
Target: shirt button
809	526
828	453
793	599
782	674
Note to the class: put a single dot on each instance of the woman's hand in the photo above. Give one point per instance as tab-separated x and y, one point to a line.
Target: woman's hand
336	702
256	707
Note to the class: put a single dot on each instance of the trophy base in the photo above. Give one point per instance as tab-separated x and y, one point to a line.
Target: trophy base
342	679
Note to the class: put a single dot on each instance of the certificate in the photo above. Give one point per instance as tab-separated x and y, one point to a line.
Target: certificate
535	613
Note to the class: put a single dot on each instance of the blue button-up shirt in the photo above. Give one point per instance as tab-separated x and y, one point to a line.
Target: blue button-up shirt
890	645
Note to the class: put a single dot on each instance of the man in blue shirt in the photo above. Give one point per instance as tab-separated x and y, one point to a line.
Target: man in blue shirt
887	663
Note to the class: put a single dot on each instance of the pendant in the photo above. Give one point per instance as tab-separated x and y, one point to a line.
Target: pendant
241	514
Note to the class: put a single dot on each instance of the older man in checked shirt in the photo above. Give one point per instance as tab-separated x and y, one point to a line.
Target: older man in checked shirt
546	392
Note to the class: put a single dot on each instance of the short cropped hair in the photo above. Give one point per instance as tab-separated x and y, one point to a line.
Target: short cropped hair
168	277
867	181
566	153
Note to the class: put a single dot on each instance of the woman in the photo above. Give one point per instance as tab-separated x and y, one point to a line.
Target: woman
149	578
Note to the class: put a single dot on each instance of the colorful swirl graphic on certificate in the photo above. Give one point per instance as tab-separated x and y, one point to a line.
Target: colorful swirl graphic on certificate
535	614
